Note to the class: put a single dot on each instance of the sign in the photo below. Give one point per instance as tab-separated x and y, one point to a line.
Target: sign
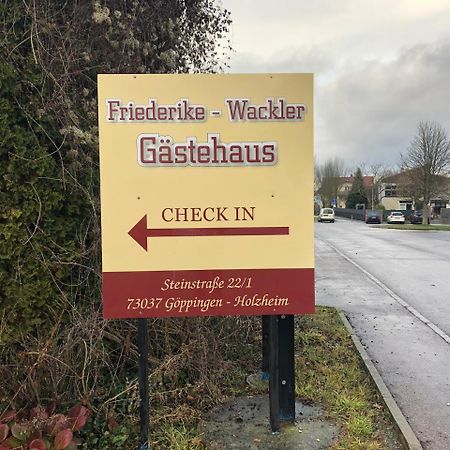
206	194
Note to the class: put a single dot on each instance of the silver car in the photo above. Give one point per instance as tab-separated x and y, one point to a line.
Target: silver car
326	215
395	217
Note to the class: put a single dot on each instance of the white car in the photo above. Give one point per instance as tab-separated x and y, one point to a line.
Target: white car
395	217
326	215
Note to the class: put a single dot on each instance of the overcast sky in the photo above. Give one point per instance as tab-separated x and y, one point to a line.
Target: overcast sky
380	66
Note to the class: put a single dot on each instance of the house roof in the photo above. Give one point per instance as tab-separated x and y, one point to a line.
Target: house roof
405	175
398	177
367	181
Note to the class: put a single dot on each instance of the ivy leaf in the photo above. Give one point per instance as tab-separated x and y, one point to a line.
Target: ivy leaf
37	444
8	416
78	416
63	439
20	431
13	442
4	431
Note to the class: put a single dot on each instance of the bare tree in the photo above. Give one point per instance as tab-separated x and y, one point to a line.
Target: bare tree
427	159
381	170
317	176
328	178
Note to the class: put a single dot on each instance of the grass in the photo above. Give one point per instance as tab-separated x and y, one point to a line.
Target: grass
177	438
202	372
418	227
330	373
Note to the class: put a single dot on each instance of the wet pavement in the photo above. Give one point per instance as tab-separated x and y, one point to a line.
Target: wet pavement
242	424
394	286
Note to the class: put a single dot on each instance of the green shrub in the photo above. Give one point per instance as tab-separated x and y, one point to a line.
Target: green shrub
39	218
50	55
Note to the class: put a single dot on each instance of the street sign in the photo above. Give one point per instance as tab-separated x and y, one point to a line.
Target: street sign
206	194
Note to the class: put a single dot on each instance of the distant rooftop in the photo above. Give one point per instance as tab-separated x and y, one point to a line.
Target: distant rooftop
367	180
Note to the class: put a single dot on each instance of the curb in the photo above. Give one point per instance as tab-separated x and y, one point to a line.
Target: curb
406	434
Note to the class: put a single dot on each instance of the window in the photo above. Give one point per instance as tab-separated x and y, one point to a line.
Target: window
405	205
390	190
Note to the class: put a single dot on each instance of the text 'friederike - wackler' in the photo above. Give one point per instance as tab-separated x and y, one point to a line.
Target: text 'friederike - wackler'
156	150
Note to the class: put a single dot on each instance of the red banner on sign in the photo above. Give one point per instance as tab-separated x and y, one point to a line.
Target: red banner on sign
228	292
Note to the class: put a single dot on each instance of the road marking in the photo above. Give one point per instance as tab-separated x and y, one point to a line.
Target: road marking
392	294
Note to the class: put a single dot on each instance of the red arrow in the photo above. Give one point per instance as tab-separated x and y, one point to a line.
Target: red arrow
140	232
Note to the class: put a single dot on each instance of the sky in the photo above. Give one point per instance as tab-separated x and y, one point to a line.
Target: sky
380	67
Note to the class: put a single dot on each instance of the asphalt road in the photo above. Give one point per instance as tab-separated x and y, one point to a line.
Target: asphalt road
394	286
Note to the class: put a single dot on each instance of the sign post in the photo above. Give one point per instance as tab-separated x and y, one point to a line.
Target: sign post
142	341
287	368
265	348
274	377
207	199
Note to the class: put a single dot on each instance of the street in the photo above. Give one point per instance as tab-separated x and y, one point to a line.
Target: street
394	287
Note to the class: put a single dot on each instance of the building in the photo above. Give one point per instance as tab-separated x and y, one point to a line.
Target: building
345	186
396	192
392	193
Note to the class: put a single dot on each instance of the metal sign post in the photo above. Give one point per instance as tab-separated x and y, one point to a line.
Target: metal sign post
265	348
282	370
286	368
142	341
274	380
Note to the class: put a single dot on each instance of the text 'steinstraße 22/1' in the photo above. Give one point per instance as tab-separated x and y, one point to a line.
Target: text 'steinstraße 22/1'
206	194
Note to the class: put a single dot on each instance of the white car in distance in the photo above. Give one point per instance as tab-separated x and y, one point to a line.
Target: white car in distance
326	215
395	217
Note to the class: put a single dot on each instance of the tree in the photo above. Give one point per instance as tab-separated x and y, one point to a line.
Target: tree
357	194
50	55
427	159
50	318
328	178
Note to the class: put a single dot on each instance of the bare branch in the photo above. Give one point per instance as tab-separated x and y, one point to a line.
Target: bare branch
328	178
427	159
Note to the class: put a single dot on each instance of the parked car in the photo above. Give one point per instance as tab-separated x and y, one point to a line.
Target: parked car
395	217
417	217
373	217
326	215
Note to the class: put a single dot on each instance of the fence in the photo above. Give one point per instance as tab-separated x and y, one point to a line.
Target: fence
357	214
445	215
360	214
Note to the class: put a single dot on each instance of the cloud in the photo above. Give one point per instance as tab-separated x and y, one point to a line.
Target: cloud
290	59
345	28
380	67
370	112
367	110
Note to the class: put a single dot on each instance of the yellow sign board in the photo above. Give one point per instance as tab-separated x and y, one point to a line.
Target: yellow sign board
206	194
